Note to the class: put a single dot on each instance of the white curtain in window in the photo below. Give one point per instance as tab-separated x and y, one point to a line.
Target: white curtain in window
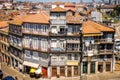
54	30
54	44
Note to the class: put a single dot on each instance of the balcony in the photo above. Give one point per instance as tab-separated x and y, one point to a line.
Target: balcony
39	49
57	49
58	21
36	33
76	34
54	17
96	41
31	60
73	50
44	62
106	51
58	63
4	42
16	45
58	34
106	40
73	41
104	59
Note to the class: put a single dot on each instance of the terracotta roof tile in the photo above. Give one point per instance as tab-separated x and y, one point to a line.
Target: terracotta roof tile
101	27
58	9
90	27
3	24
38	18
18	20
76	19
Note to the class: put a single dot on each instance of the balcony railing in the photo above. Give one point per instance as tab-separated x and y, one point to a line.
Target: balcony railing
106	51
58	21
73	50
35	32
73	41
104	59
106	40
57	49
73	34
36	49
56	63
58	34
16	45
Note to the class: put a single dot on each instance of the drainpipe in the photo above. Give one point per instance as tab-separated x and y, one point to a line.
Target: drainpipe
81	53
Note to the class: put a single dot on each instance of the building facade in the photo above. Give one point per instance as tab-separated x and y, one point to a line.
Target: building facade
98	48
15	41
4	45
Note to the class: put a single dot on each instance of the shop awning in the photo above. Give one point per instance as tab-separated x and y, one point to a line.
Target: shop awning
72	63
32	70
30	64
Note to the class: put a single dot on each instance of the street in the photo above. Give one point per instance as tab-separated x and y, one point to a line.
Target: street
8	71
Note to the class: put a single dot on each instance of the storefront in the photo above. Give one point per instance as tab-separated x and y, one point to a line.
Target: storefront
54	71
72	68
92	67
62	71
75	70
44	71
29	65
108	66
69	71
85	65
100	66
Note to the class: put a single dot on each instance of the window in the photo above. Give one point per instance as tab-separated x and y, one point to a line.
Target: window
35	55
27	54
69	57
62	58
75	56
54	44
19	41
54	58
44	44
44	56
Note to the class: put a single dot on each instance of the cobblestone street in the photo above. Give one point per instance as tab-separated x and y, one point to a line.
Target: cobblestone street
7	70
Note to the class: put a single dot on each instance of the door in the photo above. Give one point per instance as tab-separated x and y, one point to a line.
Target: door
85	64
100	66
54	71
108	66
92	67
69	71
75	70
62	71
44	71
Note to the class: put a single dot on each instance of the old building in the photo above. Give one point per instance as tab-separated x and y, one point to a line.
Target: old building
4	45
36	42
65	42
15	41
98	48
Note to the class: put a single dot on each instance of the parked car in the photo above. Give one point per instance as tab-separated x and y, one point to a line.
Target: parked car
1	74
8	78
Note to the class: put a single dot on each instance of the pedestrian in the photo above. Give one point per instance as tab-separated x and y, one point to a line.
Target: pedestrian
16	78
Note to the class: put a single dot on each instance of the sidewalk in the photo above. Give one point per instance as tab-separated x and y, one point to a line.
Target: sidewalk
9	71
